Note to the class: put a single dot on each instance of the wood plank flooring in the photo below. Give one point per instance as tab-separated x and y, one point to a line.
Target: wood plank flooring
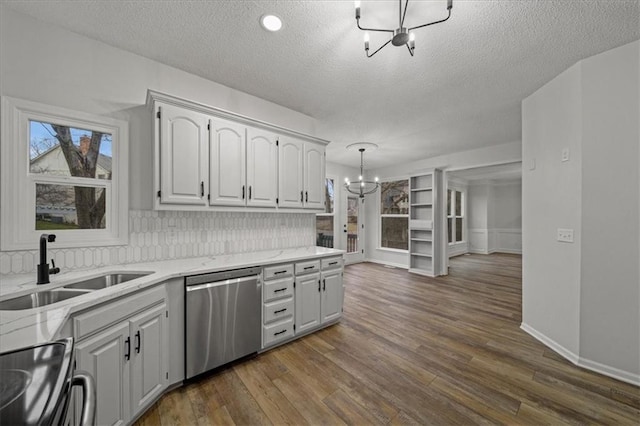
410	350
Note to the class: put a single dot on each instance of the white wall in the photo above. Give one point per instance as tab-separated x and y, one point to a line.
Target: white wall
47	64
583	298
497	154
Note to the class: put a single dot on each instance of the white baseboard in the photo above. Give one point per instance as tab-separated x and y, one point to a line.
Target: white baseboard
606	370
551	343
381	262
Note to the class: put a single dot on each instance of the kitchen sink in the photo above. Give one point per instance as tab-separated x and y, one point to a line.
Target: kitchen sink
41	298
105	281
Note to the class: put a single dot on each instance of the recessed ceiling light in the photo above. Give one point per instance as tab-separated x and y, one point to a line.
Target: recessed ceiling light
271	22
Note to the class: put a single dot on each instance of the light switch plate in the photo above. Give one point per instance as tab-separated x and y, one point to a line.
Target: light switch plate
565	235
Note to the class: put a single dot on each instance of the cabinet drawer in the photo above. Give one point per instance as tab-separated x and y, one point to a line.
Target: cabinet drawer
331	263
278	289
278	310
278	271
101	317
277	332
307	267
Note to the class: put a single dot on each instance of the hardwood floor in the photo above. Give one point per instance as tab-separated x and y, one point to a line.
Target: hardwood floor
411	350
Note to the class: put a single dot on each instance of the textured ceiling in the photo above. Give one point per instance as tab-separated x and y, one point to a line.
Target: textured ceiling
461	90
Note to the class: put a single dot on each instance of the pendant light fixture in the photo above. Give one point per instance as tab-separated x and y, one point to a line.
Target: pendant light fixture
362	187
401	36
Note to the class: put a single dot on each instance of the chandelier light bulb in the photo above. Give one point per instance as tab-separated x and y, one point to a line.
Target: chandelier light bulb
362	184
360	177
375	179
412	36
357	4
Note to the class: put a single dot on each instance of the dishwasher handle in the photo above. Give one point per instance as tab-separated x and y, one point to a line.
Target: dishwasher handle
196	287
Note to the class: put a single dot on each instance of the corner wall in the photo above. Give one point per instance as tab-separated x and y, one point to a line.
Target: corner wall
583	298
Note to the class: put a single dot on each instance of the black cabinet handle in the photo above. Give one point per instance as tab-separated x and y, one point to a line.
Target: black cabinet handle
279	310
279	332
243	192
280	272
249	191
127	353
279	290
308	267
318	286
301	196
202	188
324	285
333	263
138	341
306	196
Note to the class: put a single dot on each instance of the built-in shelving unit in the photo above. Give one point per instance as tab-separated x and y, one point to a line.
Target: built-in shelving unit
423	223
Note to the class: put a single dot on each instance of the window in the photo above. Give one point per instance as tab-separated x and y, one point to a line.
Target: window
324	221
66	172
394	214
455	216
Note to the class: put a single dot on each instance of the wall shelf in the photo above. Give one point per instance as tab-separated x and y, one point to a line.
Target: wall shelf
424	223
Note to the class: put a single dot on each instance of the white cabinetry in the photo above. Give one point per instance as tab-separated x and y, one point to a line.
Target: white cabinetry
182	158
205	157
125	354
319	293
301	174
278	304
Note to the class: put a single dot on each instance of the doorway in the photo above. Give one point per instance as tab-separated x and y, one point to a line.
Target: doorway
353	231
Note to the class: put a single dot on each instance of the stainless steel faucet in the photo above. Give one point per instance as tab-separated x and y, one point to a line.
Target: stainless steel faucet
43	266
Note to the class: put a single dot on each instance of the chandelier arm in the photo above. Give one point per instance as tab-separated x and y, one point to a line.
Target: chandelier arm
431	23
372	29
405	12
410	49
379	49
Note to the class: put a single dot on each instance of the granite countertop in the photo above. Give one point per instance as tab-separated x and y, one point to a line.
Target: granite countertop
39	325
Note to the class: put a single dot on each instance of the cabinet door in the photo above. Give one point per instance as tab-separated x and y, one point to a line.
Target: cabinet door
149	349
262	168
183	157
104	357
314	171
307	302
331	306
290	179
227	150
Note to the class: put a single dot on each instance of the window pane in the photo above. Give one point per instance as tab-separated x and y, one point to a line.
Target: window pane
395	233
69	207
458	203
458	229
449	202
450	229
394	197
324	231
329	196
68	151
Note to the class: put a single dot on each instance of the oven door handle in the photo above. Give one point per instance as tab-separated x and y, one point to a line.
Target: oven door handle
84	379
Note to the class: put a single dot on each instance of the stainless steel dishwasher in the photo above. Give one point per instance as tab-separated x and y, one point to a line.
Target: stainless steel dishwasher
222	318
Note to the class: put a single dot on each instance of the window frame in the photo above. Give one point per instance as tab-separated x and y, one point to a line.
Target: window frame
451	191
18	184
381	215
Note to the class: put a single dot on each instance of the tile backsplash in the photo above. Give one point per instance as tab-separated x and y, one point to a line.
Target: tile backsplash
159	235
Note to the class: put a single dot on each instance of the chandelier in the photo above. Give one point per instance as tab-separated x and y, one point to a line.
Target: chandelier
401	35
362	187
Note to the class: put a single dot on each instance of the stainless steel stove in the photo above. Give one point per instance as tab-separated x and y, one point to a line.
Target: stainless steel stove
36	382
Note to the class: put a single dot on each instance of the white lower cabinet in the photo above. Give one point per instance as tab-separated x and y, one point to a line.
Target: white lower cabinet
308	289
127	359
331	304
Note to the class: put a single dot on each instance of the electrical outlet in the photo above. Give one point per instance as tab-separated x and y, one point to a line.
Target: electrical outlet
565	235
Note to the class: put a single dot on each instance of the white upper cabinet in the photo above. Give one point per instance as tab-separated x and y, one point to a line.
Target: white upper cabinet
290	178
183	156
262	168
227	173
314	172
301	174
206	158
